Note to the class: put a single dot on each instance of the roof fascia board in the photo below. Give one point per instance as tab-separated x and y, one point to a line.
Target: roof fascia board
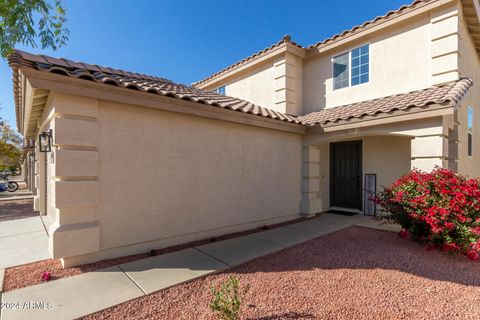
382	25
317	136
283	48
81	87
27	103
397	116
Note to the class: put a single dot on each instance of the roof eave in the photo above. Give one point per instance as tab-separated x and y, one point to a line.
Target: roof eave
61	84
17	98
471	15
360	32
29	104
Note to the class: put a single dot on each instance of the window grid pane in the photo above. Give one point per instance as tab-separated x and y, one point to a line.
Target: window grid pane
360	65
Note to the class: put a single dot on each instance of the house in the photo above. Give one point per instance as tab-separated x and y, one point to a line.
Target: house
139	162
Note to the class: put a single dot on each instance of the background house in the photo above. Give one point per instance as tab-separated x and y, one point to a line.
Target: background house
286	132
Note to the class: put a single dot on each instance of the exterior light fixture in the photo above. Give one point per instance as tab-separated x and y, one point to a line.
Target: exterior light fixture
45	141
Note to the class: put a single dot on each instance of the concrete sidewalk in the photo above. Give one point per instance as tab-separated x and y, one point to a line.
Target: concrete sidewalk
77	296
22	241
17	195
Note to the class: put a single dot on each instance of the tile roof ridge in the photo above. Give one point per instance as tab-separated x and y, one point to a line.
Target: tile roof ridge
464	80
135	81
373	21
389	15
449	93
458	90
70	64
285	39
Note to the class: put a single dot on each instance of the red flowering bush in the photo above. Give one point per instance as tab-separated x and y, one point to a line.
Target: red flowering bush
441	208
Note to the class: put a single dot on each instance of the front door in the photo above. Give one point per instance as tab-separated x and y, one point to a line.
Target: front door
345	174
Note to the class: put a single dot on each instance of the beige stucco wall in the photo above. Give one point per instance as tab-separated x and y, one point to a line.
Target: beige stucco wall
399	62
276	83
50	175
273	79
45	170
386	156
164	175
469	67
412	54
256	86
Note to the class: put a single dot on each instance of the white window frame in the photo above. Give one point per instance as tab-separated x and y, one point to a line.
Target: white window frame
350	67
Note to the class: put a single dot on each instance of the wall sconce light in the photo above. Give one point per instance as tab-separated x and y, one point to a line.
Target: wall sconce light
45	139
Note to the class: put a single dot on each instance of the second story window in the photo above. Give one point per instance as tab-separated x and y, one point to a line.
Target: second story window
360	65
341	66
470	131
351	68
220	90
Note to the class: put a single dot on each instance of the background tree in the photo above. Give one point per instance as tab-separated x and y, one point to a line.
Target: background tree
28	21
10	147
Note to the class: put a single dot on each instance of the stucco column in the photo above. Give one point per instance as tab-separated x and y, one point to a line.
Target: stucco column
38	199
75	230
445	44
311	201
32	175
288	79
450	124
429	151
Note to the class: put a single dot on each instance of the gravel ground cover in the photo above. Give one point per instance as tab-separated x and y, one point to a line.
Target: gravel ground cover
31	274
16	209
354	273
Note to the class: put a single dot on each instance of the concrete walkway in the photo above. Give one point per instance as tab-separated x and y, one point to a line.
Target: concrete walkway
80	295
17	195
22	241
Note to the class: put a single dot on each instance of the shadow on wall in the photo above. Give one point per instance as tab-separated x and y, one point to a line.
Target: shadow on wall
364	248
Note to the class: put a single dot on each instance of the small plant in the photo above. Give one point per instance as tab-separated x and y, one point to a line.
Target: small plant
46	275
227	299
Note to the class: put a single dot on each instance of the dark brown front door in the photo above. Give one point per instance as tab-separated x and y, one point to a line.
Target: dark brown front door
345	174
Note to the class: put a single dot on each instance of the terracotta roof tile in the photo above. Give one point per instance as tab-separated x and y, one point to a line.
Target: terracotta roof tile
285	39
371	23
125	79
449	94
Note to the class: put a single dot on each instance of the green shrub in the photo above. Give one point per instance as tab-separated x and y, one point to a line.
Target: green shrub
442	208
227	299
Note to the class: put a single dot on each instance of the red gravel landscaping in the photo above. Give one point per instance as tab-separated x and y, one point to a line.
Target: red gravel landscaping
355	273
31	274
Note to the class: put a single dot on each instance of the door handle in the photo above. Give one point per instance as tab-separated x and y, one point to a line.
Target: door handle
358	182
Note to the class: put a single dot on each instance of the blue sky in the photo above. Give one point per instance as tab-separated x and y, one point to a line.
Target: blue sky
186	41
